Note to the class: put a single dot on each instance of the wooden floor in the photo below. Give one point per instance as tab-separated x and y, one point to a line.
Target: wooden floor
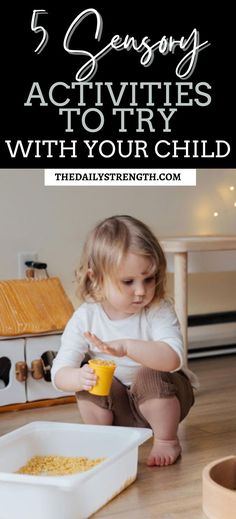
208	433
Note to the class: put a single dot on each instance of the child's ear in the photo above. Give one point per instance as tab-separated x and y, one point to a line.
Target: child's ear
90	274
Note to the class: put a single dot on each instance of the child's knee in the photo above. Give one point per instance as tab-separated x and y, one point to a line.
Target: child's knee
92	413
85	398
150	383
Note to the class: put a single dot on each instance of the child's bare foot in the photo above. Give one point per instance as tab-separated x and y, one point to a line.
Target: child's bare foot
164	452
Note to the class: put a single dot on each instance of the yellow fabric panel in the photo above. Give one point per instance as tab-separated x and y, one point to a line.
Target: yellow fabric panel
31	306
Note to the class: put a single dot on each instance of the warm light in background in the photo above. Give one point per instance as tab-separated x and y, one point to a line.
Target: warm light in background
231	188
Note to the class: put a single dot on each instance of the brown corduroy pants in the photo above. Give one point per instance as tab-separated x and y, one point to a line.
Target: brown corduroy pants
124	401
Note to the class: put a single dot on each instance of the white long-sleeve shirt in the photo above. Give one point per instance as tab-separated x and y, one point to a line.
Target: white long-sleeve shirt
157	323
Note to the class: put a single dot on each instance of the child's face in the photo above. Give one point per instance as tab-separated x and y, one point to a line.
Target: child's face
135	288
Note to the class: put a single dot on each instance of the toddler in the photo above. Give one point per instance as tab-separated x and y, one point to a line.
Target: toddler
125	318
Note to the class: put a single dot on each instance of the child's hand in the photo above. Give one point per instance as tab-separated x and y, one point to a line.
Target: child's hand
86	378
117	348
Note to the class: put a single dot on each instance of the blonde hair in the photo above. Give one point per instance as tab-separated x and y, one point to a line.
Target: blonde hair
105	248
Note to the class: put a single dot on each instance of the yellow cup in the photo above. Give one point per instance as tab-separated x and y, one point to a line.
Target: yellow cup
104	371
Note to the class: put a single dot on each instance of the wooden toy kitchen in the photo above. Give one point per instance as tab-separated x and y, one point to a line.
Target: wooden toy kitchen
34	312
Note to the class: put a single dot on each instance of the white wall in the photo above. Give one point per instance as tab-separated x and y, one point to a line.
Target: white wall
54	221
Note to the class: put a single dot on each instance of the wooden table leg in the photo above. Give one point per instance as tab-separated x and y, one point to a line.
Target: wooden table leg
181	294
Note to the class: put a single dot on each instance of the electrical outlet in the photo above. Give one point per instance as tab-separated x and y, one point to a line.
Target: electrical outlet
22	258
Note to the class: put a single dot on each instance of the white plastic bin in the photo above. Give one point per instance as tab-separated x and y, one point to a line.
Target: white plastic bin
74	496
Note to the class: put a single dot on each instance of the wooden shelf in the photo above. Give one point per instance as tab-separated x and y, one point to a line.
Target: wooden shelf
38	403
